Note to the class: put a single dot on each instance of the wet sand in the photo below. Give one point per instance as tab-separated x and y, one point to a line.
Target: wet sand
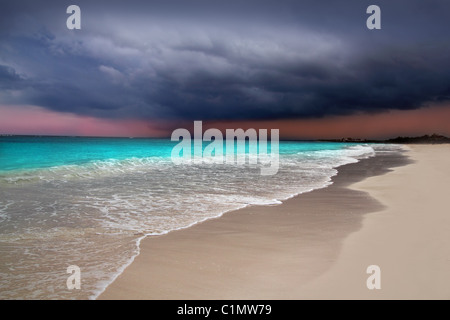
409	240
315	245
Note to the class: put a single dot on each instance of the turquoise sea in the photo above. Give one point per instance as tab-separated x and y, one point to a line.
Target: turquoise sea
89	201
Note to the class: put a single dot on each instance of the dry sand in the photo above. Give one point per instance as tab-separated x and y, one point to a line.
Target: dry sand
409	240
316	245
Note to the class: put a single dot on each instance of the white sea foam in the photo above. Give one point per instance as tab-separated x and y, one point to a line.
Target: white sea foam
105	208
349	155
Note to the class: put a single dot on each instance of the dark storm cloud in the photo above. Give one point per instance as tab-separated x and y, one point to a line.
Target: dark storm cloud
198	59
9	78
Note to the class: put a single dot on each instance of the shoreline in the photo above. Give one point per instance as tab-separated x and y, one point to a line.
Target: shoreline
239	254
409	239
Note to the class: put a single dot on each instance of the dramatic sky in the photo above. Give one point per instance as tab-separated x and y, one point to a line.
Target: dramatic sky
142	68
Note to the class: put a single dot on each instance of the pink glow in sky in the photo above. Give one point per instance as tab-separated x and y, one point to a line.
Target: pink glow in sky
389	124
34	120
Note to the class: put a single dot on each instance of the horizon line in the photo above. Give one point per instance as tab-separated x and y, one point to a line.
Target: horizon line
343	139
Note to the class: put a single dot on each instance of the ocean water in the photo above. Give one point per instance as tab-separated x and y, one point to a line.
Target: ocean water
89	202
